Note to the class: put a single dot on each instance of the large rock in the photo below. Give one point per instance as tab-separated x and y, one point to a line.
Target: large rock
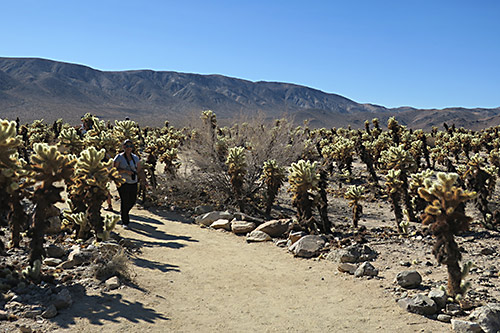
54	251
242	227
258	236
221	224
244	217
112	283
78	257
209	218
409	279
203	209
439	296
275	228
419	304
488	317
308	246
463	326
346	267
366	269
353	254
53	225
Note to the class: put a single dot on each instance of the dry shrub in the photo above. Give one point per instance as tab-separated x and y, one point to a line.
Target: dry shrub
203	176
109	262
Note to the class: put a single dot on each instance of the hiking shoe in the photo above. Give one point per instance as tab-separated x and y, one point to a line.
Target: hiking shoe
126	227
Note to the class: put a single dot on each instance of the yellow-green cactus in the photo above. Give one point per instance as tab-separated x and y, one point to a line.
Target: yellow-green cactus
304	178
273	176
126	129
70	140
355	193
236	162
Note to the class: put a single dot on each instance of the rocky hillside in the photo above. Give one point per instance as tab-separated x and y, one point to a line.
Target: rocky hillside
33	88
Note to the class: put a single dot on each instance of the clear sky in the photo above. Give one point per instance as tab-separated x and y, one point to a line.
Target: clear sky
425	54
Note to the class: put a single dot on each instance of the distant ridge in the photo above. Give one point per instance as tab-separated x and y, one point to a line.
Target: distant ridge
32	88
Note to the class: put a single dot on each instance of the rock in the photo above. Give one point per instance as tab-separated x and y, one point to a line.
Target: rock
55	251
308	246
462	326
50	312
112	283
419	304
67	264
487	251
242	227
25	329
345	267
275	228
244	217
281	242
488	317
366	269
203	209
221	224
444	318
209	218
110	247
4	315
54	225
52	262
293	237
258	236
62	299
353	254
439	296
32	313
409	279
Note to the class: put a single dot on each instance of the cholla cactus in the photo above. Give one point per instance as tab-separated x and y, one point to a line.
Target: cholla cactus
92	177
304	178
417	181
446	219
393	187
71	141
395	129
397	158
342	152
126	129
273	176
48	166
236	162
355	193
109	224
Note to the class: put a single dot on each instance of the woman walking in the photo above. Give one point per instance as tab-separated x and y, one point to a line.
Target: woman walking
129	166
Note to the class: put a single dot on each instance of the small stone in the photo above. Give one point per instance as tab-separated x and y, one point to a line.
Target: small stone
409	279
366	269
203	209
281	242
405	263
258	236
345	267
52	262
463	326
63	299
295	236
32	313
112	283
50	312
25	329
487	251
453	309
4	315
444	318
67	264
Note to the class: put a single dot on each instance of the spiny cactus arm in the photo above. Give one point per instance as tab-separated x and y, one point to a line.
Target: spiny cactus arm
49	165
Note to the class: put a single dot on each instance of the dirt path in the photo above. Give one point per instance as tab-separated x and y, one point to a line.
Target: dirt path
198	280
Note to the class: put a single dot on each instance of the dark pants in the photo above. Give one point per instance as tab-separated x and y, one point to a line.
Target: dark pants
128	195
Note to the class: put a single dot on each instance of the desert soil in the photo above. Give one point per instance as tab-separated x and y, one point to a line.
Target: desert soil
193	279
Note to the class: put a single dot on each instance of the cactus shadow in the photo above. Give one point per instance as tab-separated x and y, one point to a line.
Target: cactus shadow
155	265
158	238
105	308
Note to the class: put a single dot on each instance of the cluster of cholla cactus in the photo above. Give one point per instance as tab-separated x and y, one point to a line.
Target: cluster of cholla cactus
236	163
446	217
355	194
273	176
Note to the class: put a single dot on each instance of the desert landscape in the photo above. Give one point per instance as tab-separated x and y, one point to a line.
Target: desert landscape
257	226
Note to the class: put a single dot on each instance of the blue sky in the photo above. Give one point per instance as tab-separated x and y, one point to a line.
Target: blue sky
425	54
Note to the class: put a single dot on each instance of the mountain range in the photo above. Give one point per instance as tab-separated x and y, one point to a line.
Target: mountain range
33	88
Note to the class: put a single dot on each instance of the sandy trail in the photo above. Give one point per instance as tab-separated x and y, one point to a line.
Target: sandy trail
191	279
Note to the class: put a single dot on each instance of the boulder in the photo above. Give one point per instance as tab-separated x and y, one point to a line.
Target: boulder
55	251
78	256
444	318
308	246
346	267
209	218
463	326
439	296
62	299
366	269
275	228
409	279
203	209
242	227
488	317
258	236
353	254
221	224
112	283
50	312
244	217
419	304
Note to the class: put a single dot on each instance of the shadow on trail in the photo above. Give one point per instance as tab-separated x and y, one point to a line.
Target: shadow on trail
104	308
155	265
161	238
